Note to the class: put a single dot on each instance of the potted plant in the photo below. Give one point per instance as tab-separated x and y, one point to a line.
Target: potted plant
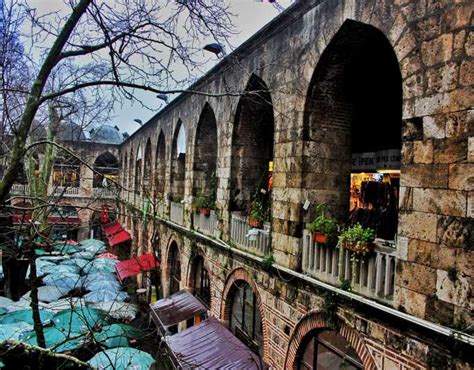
256	215
324	228
204	205
357	239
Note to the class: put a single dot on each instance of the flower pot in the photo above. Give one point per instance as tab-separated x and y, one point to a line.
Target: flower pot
320	238
206	212
359	247
255	223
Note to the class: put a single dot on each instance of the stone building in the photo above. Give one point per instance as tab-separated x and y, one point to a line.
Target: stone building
331	103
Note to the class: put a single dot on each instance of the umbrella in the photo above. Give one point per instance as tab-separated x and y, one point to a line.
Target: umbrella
22	304
14	330
101	265
53	259
117	335
61	269
118	310
91	242
5	302
67	281
3	310
58	340
108	255
85	255
72	242
65	304
47	293
41	265
25	315
79	319
66	248
98	276
105	296
95	249
112	285
79	262
122	358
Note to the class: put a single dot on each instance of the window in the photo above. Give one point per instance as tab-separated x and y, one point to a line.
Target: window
202	288
327	350
175	268
245	320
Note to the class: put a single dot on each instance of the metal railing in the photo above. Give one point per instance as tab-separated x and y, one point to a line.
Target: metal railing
206	224
177	212
372	275
105	193
66	191
247	238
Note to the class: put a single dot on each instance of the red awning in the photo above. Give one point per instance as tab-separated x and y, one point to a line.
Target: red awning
112	228
63	220
121	237
20	218
136	265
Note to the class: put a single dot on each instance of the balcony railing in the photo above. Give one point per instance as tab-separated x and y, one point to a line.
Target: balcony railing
373	276
67	191
247	238
206	224
105	193
19	189
177	213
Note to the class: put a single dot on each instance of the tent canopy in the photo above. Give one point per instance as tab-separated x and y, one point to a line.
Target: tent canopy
177	307
135	266
120	237
210	345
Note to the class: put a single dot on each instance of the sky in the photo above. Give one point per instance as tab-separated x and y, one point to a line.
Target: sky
250	16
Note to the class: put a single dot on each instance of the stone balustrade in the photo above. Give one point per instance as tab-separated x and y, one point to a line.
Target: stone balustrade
206	224
247	238
177	212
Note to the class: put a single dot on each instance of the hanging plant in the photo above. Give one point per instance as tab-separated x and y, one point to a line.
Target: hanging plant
324	228
357	239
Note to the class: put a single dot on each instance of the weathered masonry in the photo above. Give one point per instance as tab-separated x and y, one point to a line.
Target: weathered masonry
364	106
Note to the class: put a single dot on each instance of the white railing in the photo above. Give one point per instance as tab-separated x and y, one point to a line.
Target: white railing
374	274
247	238
66	191
177	212
206	224
161	208
19	189
105	193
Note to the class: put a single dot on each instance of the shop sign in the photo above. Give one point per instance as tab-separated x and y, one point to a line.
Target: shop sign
372	161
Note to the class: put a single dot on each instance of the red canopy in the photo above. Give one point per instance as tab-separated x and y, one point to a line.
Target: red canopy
136	265
112	228
107	255
121	237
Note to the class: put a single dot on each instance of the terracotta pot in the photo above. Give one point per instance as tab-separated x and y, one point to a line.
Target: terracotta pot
255	223
206	211
365	247
320	238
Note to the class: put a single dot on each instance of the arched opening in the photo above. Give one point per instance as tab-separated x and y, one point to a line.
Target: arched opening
252	151
178	163
174	266
147	169
66	171
326	349
138	171
200	280
106	169
160	166
352	129
244	316
125	171
130	171
205	158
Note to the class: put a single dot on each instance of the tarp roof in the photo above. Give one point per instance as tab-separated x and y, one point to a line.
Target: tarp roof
210	345
177	307
136	265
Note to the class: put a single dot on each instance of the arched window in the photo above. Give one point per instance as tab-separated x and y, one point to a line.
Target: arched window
178	163
205	157
160	166
147	169
252	151
67	171
326	350
138	171
201	283
245	319
352	129
106	168
174	265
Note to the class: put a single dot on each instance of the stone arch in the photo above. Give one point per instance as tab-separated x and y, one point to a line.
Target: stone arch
131	167
147	168
315	320
172	266
138	165
106	169
240	274
198	259
160	165
178	162
252	147
125	170
205	155
356	88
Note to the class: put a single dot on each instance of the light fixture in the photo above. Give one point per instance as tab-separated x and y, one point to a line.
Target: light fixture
163	97
139	121
214	48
